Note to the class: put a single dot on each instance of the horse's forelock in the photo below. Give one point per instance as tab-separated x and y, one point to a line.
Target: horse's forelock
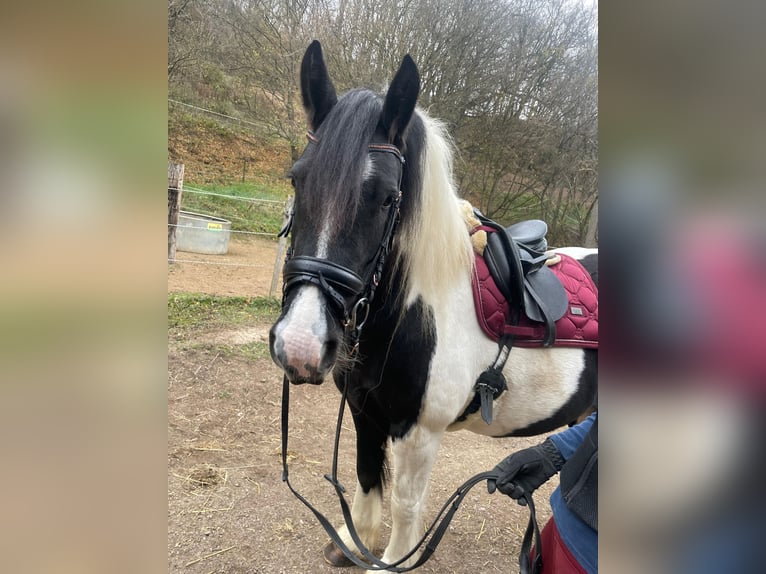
334	186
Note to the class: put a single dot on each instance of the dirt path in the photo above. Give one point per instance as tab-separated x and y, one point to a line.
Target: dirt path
228	510
225	492
246	270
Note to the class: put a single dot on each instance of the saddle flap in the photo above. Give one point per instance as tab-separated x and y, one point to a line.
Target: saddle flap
521	275
505	268
549	289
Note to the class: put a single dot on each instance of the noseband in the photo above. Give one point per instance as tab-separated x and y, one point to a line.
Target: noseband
350	294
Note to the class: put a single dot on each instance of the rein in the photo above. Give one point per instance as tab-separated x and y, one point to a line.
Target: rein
528	564
352	295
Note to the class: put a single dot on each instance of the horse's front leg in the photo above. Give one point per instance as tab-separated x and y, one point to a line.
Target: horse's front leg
366	509
414	455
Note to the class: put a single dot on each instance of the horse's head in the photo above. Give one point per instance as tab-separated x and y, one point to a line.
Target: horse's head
348	186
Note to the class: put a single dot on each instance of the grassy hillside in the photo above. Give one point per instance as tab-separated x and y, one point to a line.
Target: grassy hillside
229	160
215	151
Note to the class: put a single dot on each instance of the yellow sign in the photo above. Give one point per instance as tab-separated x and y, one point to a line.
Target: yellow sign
215	227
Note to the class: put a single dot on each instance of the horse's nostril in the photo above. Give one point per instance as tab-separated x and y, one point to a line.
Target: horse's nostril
276	348
329	354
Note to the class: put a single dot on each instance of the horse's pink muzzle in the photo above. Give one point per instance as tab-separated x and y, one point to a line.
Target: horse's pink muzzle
302	342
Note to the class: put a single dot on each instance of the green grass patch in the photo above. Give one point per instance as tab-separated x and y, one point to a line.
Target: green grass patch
187	311
258	216
248	189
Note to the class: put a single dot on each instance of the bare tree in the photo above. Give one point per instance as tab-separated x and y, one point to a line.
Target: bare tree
267	39
184	45
514	79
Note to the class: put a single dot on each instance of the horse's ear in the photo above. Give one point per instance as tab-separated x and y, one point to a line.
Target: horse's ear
400	100
316	88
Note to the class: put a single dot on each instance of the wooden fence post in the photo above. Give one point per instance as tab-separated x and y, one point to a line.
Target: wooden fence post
175	189
281	247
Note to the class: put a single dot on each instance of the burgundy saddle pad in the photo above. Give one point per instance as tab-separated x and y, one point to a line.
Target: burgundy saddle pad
577	328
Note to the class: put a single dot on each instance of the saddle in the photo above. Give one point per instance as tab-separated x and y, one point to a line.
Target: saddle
515	257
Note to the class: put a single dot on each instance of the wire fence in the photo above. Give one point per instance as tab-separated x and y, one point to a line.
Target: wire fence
219	263
217	114
236	197
199	234
240	231
252	200
216	210
251	217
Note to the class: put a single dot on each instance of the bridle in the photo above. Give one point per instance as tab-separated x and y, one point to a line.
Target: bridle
349	293
352	295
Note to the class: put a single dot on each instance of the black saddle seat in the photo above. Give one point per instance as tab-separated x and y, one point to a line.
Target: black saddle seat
530	233
516	259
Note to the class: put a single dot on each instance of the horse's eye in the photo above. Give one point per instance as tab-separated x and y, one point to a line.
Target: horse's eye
389	201
292	181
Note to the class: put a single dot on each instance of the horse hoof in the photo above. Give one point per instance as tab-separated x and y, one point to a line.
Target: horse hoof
334	556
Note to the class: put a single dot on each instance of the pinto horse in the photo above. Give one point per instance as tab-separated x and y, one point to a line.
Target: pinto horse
377	238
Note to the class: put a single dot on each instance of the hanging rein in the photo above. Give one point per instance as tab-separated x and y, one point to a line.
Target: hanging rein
352	295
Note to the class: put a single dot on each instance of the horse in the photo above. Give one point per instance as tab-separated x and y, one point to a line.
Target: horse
378	241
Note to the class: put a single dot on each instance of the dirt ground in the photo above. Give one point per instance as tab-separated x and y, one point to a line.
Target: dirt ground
246	270
228	510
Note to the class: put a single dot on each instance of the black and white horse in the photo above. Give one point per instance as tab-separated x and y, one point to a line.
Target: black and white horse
372	160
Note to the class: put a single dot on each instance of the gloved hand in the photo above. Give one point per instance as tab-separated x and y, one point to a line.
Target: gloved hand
524	471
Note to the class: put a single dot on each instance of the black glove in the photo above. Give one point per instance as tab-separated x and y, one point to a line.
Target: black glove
524	471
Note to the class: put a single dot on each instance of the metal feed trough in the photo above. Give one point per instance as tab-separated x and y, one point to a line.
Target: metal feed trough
200	233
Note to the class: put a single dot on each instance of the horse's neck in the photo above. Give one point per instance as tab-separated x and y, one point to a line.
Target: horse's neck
438	248
433	249
439	264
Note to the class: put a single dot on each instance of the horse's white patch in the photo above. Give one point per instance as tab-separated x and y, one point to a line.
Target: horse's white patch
303	330
577	252
367	513
414	456
539	381
324	240
369	168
